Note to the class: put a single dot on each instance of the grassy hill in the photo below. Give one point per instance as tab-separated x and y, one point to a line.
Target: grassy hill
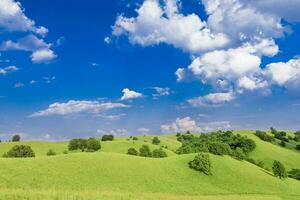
110	174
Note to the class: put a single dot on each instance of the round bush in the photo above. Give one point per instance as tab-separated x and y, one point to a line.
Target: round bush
132	151
219	148
51	153
107	138
20	151
16	138
159	153
145	151
79	143
93	145
201	163
155	140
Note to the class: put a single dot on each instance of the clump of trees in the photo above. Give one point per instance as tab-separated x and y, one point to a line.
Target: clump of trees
145	151
218	143
279	170
107	138
82	144
155	141
20	151
51	153
202	163
16	138
264	136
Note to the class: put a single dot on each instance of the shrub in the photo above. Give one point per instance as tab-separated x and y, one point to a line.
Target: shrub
20	151
51	153
282	143
93	145
145	151
132	151
178	134
264	136
135	138
155	140
107	138
219	148
201	163
279	170
79	143
16	138
159	153
298	147
238	154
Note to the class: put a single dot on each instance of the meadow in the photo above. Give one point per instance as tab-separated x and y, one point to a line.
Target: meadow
112	174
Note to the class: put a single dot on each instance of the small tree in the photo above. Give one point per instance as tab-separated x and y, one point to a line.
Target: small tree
79	143
282	143
159	153
145	151
135	138
219	148
93	145
201	163
279	170
20	151
16	138
51	153
132	151
107	138
238	154
155	140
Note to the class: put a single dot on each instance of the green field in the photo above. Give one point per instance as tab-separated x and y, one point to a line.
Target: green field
111	174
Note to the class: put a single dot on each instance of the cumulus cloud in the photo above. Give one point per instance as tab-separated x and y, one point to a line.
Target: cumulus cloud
161	91
212	99
157	23
181	125
130	94
8	69
143	130
43	56
78	107
115	132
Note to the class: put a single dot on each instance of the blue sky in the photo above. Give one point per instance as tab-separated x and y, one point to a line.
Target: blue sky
147	67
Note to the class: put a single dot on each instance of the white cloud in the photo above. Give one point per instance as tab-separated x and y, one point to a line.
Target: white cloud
251	84
43	56
161	91
8	69
107	40
212	99
181	125
19	85
143	131
115	132
283	73
164	24
217	125
130	94
78	107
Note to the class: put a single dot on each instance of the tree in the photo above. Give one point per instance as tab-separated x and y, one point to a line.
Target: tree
201	163
132	151
298	147
145	151
135	138
238	154
107	138
282	143
51	153
78	143
159	153
218	148
93	145
155	140
16	138
279	169
20	151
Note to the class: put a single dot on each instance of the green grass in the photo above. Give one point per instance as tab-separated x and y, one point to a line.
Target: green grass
111	174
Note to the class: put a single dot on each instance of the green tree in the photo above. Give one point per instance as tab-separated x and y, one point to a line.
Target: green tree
93	145
145	151
107	138
201	163
159	153
279	169
20	151
155	140
78	143
132	151
16	138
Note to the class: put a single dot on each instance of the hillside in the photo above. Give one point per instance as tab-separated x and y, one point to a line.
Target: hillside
110	174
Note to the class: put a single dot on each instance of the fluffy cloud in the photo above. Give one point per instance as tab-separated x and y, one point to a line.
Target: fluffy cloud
212	99
181	125
115	132
130	94
284	73
78	107
246	83
43	56
143	130
8	69
161	91
164	24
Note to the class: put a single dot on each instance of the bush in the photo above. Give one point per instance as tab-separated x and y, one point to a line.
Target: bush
51	153
264	136
159	153
145	151
201	163
282	143
135	138
155	140
132	151
107	138
16	138
93	145
238	154
20	151
298	147
279	170
219	148
79	143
